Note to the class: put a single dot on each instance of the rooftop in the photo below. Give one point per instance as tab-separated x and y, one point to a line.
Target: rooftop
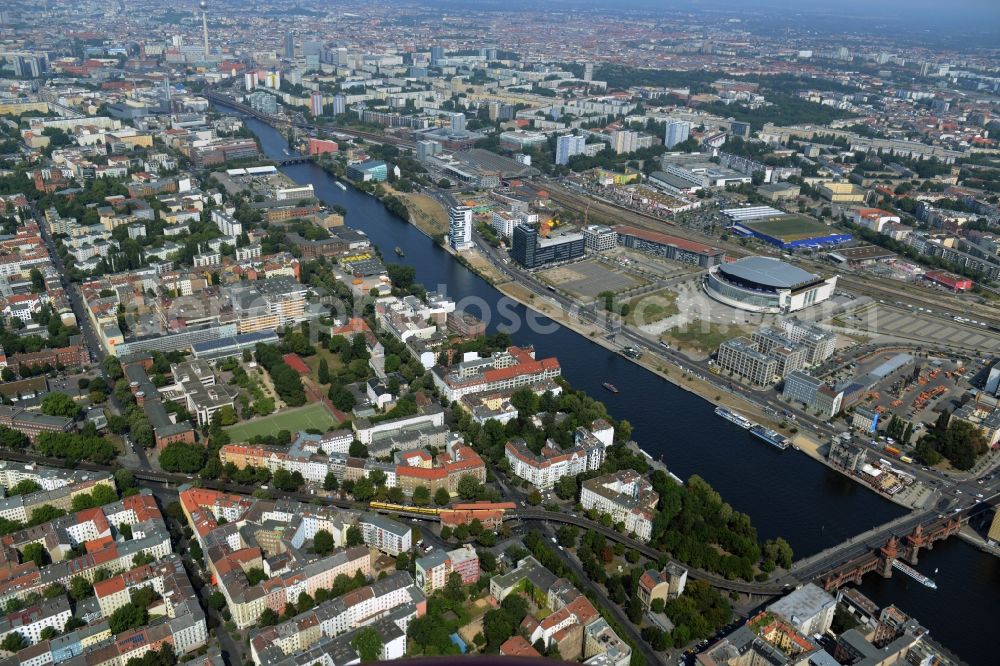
768	271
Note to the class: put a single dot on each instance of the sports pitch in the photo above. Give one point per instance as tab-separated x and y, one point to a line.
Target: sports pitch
789	228
314	416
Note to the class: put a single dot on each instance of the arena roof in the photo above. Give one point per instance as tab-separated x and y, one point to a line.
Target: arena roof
770	272
751	213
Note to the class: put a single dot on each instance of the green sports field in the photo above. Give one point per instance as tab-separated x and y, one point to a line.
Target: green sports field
789	228
315	416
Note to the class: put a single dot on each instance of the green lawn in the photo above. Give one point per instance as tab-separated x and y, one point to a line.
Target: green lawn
333	362
699	336
315	416
652	307
790	228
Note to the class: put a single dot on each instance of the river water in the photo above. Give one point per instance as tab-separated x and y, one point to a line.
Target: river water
785	493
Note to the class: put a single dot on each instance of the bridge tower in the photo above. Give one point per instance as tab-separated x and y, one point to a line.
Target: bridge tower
888	553
914	542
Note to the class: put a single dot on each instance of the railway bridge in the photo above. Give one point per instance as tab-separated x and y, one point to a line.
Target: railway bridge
846	565
880	559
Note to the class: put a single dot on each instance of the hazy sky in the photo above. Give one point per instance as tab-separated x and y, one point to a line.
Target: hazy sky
937	19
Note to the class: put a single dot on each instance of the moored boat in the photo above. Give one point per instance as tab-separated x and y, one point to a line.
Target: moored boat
733	417
773	438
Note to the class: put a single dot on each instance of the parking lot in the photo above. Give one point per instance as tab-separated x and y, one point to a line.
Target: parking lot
589	278
921	326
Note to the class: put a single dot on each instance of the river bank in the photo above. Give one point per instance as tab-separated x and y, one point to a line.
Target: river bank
785	495
662	367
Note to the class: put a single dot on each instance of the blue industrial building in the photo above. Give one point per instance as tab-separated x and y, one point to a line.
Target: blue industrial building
785	242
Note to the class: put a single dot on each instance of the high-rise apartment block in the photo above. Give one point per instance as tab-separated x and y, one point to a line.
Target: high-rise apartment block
567	146
677	131
460	227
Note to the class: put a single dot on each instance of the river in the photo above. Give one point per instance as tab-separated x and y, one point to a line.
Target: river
785	493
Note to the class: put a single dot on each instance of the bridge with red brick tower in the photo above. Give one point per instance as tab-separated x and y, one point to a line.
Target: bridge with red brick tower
907	548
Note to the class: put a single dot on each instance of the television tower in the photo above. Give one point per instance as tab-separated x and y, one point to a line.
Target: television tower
204	23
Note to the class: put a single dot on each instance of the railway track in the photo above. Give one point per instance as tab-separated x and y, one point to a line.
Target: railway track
880	290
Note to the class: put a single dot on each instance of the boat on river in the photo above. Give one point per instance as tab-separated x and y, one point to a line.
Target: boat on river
914	574
733	417
773	438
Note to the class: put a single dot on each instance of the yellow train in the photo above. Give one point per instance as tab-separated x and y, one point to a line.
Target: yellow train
403	508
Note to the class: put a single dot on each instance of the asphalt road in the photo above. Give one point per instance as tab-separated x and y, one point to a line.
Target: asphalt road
90	336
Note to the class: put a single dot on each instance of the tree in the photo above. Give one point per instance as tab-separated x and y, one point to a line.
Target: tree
566	488
354	536
13	642
44	514
330	482
635	609
217	601
35	552
446	532
441	496
402	561
37	281
357	450
127	617
487	561
287	481
48	633
368	644
73	623
323	542
364	489
117	424
268	618
60	404
124	479
182	457
24	487
534	497
323	373
567	535
54	591
255	575
141	558
80	588
469	487
227	415
421	496
342	399
99	496
778	551
12	439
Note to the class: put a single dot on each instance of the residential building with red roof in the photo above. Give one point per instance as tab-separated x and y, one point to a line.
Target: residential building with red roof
545	468
517	646
513	368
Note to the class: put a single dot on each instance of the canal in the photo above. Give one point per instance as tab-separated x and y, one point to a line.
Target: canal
785	493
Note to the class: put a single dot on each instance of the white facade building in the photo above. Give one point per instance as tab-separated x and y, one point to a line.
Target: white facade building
460	227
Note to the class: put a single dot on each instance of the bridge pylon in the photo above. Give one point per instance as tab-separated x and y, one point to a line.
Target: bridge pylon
888	553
